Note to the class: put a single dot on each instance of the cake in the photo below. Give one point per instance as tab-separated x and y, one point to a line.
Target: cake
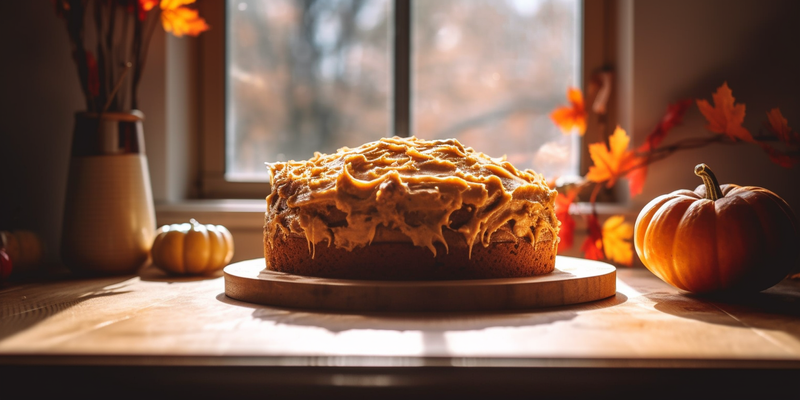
409	209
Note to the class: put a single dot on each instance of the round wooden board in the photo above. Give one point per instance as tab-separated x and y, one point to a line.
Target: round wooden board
574	280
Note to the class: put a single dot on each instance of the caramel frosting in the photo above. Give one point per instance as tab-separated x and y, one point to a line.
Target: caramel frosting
408	189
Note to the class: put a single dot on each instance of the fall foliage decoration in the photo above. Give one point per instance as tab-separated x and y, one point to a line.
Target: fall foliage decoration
610	161
572	117
110	39
614	158
718	238
725	117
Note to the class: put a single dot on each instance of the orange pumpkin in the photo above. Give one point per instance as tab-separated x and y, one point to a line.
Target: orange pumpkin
718	238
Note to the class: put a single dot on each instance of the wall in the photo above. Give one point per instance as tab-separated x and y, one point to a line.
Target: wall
682	48
686	49
39	95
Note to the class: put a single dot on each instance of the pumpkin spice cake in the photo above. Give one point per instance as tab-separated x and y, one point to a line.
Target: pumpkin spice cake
409	209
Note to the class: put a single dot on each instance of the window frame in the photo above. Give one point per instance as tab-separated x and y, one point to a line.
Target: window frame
599	20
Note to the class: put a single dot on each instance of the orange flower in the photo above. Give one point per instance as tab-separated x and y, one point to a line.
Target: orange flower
725	117
181	20
571	117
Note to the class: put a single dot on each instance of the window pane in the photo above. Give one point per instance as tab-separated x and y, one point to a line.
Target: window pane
489	72
304	76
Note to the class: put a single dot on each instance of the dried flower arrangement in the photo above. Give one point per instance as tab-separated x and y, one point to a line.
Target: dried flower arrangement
120	32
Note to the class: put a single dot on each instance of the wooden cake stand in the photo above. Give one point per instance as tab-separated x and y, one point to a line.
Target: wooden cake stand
574	280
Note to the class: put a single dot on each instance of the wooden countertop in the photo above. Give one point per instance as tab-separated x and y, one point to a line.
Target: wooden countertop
172	332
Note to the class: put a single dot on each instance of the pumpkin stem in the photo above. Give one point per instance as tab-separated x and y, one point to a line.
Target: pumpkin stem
713	191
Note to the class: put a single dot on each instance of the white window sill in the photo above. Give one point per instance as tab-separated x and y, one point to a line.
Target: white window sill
232	213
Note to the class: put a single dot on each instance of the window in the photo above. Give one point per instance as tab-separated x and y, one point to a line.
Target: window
305	76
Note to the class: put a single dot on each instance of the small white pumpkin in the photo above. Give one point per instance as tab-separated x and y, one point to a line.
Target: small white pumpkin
192	248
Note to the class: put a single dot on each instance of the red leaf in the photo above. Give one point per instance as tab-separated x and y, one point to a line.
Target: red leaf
591	250
93	82
566	233
779	157
5	265
673	117
780	127
636	180
592	247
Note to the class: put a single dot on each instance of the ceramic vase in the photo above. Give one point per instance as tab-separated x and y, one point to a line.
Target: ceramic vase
109	219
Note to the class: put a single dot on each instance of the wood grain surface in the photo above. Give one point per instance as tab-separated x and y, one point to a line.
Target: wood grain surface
157	319
573	281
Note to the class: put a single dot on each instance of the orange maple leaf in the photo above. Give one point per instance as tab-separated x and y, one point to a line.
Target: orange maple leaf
571	117
610	162
725	117
617	236
181	20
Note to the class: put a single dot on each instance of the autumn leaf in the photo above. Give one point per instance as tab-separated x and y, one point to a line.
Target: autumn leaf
779	157
636	180
780	127
572	117
175	17
174	4
617	236
148	5
673	117
183	21
725	117
93	82
611	161
566	233
592	247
